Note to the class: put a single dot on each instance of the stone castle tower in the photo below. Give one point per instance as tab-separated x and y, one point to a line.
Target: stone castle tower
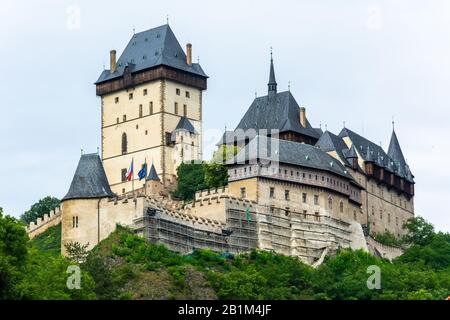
151	107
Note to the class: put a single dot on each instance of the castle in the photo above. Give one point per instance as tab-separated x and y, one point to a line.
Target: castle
292	188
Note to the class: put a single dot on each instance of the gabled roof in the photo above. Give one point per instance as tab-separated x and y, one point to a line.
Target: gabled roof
152	174
89	180
185	124
289	152
331	142
279	112
151	48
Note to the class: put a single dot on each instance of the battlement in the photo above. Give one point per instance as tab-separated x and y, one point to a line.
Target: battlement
383	250
41	224
213	192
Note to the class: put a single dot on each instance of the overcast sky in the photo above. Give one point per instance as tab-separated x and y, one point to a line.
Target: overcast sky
362	62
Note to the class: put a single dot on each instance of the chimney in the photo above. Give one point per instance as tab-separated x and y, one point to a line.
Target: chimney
303	117
112	61
189	54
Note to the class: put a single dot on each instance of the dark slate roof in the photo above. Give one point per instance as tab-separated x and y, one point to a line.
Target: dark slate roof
331	142
185	124
89	180
396	154
152	48
372	152
152	174
352	153
278	112
289	152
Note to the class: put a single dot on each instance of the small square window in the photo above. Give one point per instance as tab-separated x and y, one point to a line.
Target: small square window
188	94
116	99
316	200
304	197
286	195
145	92
146	132
243	192
177	90
130	96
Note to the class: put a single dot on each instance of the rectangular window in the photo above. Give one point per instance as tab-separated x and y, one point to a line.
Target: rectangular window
117	120
286	195
316	200
381	214
188	94
272	209
145	92
116	99
243	192
151	107
177	90
272	193
176	108
140	111
76	222
130	96
124	117
73	222
184	110
124	175
304	197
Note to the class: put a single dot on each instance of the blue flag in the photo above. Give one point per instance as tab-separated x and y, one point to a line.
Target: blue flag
143	172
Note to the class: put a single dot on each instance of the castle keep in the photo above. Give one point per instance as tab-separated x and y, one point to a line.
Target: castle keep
292	188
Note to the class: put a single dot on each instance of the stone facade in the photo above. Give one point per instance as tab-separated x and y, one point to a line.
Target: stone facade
137	123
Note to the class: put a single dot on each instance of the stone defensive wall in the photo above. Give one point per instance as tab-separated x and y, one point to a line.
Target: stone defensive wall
383	250
41	224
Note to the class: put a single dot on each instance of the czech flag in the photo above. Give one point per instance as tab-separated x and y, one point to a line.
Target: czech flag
129	175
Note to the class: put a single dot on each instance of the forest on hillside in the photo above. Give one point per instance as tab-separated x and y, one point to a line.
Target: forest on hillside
125	266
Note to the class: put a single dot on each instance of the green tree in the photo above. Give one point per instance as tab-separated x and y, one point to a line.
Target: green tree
39	209
216	175
224	153
420	231
387	238
13	254
191	178
76	252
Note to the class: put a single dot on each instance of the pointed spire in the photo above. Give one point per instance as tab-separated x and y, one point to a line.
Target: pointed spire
153	175
394	151
272	85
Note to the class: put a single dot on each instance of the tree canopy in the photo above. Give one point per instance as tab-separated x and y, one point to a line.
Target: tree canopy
39	209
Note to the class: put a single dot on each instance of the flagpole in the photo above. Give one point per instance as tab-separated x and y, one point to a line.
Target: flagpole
145	178
132	177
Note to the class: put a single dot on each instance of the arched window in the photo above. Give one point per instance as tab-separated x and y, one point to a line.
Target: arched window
330	203
124	143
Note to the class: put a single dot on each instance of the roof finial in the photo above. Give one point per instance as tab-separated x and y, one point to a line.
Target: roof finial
393	124
256	94
167	19
326	127
289	85
344	123
134	30
81	151
272	85
320	125
198	59
98	150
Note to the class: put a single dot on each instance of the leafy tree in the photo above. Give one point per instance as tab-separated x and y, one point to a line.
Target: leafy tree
216	175
224	153
76	252
191	178
387	238
39	209
420	231
13	254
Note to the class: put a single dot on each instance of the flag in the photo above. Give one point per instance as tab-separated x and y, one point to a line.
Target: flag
247	214
143	172
129	175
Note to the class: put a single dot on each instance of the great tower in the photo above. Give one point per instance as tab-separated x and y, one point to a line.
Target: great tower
151	107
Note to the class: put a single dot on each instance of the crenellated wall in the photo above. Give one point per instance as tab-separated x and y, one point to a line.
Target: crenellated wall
41	224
